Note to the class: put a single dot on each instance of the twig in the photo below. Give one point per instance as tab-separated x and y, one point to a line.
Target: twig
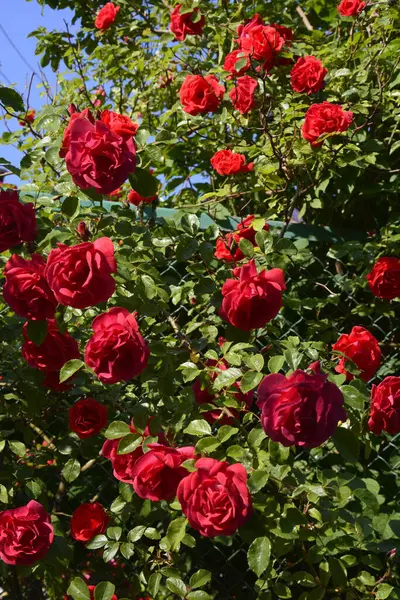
304	18
37	429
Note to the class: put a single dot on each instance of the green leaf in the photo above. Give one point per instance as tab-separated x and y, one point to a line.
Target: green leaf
176	532
136	533
37	331
71	207
71	470
198	595
176	586
78	590
186	248
143	182
276	363
258	555
3	494
226	378
110	551
70	368
200	578
127	550
10	98
255	361
97	542
104	590
190	224
129	443
153	585
338	572
152	533
225	432
347	444
246	247
116	430
304	578
149	286
250	380
198	427
383	591
17	448
114	533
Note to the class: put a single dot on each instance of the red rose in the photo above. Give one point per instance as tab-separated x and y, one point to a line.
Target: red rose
385	406
301	409
26	534
88	520
106	16
157	473
200	94
227	248
384	279
215	498
323	119
252	299
74	115
242	95
226	162
232	58
26	289
202	395
361	348
351	8
80	276
91	589
308	75
183	25
57	349
87	417
17	221
95	155
116	351
28	118
83	231
119	124
136	199
262	42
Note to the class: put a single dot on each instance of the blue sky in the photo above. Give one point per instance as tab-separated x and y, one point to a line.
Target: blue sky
18	19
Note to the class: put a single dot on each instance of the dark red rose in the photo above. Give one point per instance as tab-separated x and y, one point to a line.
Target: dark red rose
87	417
157	473
203	395
91	589
227	248
351	8
232	58
17	220
57	349
26	534
80	275
361	348
226	162
96	156
26	289
88	520
28	118
119	124
308	75
106	16
215	498
187	24
252	299
83	231
242	95
74	115
136	199
385	406
262	42
323	119
200	95
301	409
116	351
384	279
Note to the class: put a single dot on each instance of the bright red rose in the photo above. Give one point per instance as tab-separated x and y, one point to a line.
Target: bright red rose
227	248
157	473
95	155
203	395
361	348
242	95
116	351
26	290
351	8
136	199
232	58
384	279
106	16
57	349
119	124
301	409
262	42
87	417
252	299
215	498
323	119
226	162
183	25
308	75
74	115
26	534
200	95
88	520
80	275
385	406
91	589
17	220
28	118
